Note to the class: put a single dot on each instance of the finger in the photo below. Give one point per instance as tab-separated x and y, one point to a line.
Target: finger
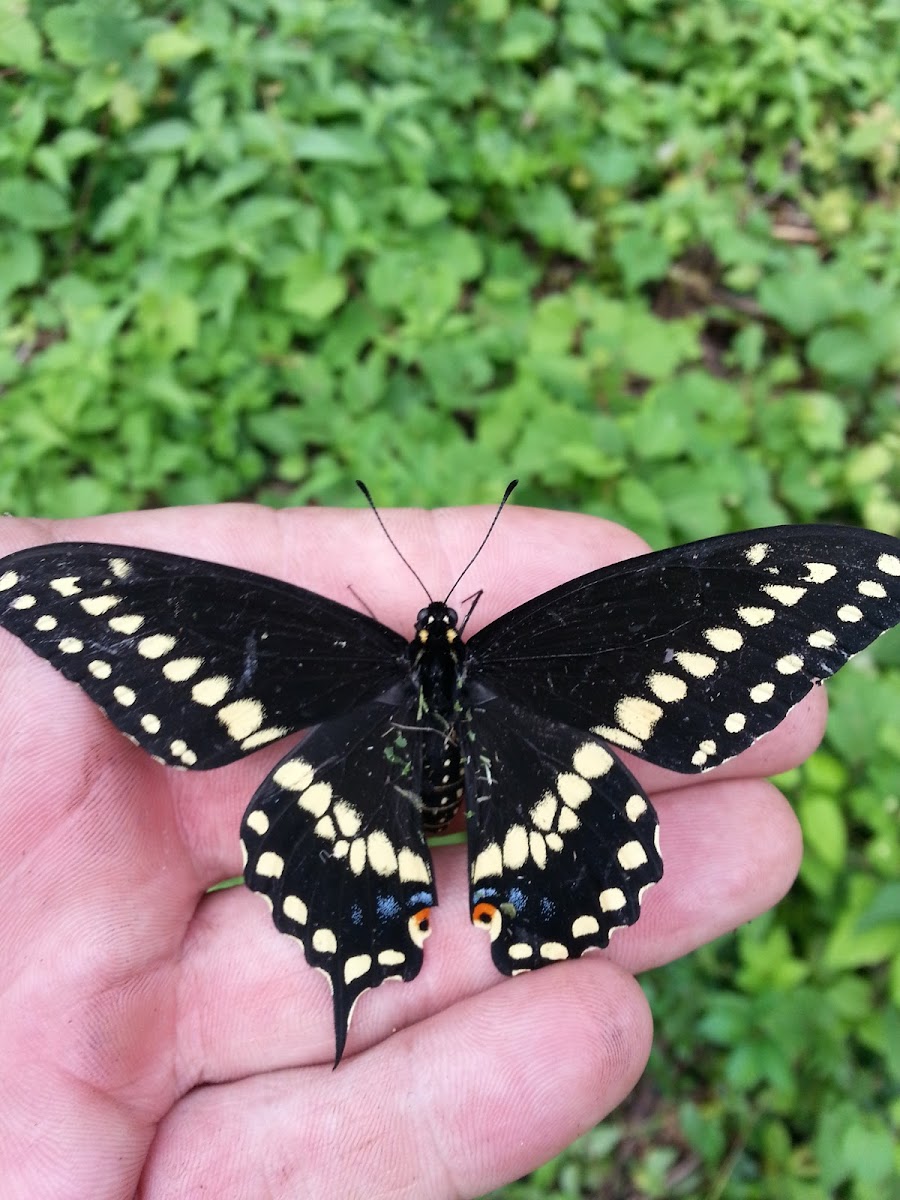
731	850
479	1094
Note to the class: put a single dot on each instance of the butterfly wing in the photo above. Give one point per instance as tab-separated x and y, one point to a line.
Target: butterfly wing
562	841
197	662
334	839
685	657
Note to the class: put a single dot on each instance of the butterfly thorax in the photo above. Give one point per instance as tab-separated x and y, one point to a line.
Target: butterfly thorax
436	654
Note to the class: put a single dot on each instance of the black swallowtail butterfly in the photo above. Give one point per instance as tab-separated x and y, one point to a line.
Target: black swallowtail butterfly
682	657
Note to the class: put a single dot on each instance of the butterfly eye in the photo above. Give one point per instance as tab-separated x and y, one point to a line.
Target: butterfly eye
421	616
451	616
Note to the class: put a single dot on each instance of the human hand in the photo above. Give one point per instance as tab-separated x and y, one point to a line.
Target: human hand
163	1042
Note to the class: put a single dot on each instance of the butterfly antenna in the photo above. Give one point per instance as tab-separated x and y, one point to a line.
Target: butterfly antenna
371	503
510	488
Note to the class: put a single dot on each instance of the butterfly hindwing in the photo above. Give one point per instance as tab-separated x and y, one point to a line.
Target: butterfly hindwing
562	841
686	656
199	663
334	839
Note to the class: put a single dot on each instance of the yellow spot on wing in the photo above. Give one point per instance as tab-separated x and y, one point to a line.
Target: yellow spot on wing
156	645
870	587
591	761
258	821
788	596
67	586
756	615
585	926
612	899
270	865
822	639
241	718
295	775
381	853
850	613
295	909
726	640
391	958
211	690
324	941
638	716
180	669
668	688
316	799
701	666
635	807
573	789
356	966
488	862
411	867
263	736
120	568
348	819
95	606
544	812
515	847
128	624
631	856
820	572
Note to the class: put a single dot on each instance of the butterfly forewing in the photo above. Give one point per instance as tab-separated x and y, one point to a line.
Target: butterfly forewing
199	663
562	841
334	838
686	656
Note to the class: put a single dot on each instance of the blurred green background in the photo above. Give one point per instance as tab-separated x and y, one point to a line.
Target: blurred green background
642	255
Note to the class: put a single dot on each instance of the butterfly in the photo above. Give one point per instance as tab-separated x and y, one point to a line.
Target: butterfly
683	657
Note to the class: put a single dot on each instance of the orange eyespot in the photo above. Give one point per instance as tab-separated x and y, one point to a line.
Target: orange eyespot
420	926
483	914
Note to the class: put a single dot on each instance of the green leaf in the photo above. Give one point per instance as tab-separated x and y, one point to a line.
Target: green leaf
311	290
335	144
845	354
32	205
642	257
173	45
525	34
824	830
20	42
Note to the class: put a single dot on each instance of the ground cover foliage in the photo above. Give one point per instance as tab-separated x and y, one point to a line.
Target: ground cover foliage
643	255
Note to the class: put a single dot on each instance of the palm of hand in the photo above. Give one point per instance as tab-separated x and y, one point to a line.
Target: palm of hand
159	1041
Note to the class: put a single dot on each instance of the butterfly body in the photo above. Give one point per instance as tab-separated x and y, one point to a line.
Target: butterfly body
437	657
682	657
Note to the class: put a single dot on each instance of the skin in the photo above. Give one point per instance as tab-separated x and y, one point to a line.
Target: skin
162	1043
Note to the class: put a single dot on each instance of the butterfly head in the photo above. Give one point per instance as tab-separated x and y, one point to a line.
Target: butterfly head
436	621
